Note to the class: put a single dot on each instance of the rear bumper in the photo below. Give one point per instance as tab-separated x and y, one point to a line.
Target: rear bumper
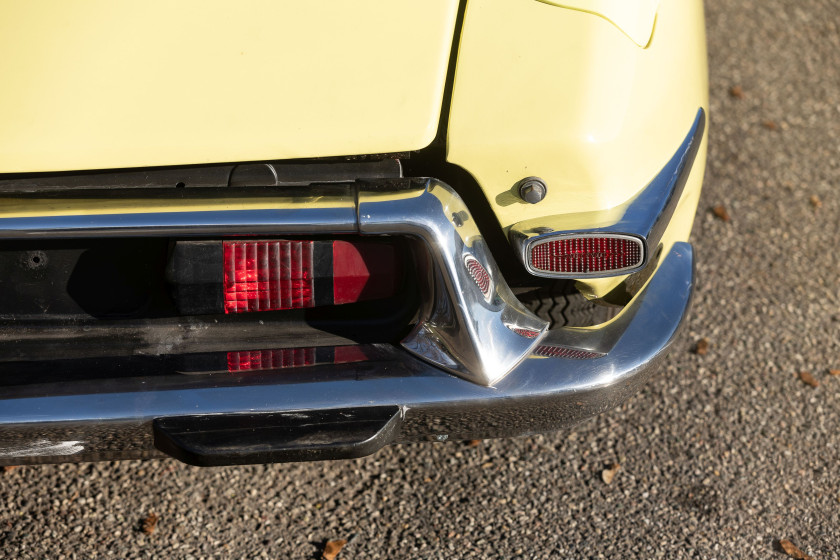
571	374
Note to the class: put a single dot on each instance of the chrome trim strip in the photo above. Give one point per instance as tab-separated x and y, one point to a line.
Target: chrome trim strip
180	223
645	216
112	419
463	331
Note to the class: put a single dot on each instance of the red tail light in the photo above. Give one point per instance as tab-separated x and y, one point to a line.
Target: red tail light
586	254
291	274
268	275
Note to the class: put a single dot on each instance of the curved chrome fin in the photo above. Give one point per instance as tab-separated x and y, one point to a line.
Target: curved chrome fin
476	328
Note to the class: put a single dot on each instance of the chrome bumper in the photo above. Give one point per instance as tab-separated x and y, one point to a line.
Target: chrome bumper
466	371
116	420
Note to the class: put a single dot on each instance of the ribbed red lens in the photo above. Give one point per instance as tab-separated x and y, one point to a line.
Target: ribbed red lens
563	352
585	255
268	275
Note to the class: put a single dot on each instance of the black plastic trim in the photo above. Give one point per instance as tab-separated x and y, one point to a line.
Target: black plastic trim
312	435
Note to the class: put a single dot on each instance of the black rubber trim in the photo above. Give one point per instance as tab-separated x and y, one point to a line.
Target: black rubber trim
311	435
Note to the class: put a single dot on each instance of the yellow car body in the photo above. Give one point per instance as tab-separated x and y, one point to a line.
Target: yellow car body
552	89
593	97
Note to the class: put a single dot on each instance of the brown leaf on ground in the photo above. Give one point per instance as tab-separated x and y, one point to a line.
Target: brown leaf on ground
809	379
332	548
736	92
9	468
608	474
720	212
815	201
148	525
792	551
474	443
834	371
770	125
701	347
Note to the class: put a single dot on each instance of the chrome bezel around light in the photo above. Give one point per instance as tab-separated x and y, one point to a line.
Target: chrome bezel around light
547	238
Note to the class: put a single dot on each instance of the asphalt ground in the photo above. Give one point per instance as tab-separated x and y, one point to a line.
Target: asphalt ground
721	455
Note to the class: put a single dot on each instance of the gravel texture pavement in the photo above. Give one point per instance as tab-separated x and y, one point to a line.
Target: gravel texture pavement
721	455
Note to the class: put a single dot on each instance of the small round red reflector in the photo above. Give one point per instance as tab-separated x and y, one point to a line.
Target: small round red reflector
479	274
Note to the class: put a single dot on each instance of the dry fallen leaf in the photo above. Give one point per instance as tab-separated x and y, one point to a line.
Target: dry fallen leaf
332	549
701	348
834	371
815	201
149	524
474	443
770	125
806	377
608	474
736	92
792	551
720	212
9	468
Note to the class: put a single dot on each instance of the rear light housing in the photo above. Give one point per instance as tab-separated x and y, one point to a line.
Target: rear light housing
585	255
260	275
270	275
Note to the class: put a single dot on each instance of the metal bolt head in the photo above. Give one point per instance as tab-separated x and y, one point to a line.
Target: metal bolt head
532	189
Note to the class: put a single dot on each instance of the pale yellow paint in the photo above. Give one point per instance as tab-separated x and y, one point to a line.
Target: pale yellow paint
562	95
115	83
539	90
634	17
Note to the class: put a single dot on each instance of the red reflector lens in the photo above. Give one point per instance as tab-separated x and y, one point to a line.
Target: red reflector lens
586	255
268	275
479	275
563	352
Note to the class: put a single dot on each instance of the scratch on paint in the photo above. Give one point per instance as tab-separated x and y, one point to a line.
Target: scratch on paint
41	448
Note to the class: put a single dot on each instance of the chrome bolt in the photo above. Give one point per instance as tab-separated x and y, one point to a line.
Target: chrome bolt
532	189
